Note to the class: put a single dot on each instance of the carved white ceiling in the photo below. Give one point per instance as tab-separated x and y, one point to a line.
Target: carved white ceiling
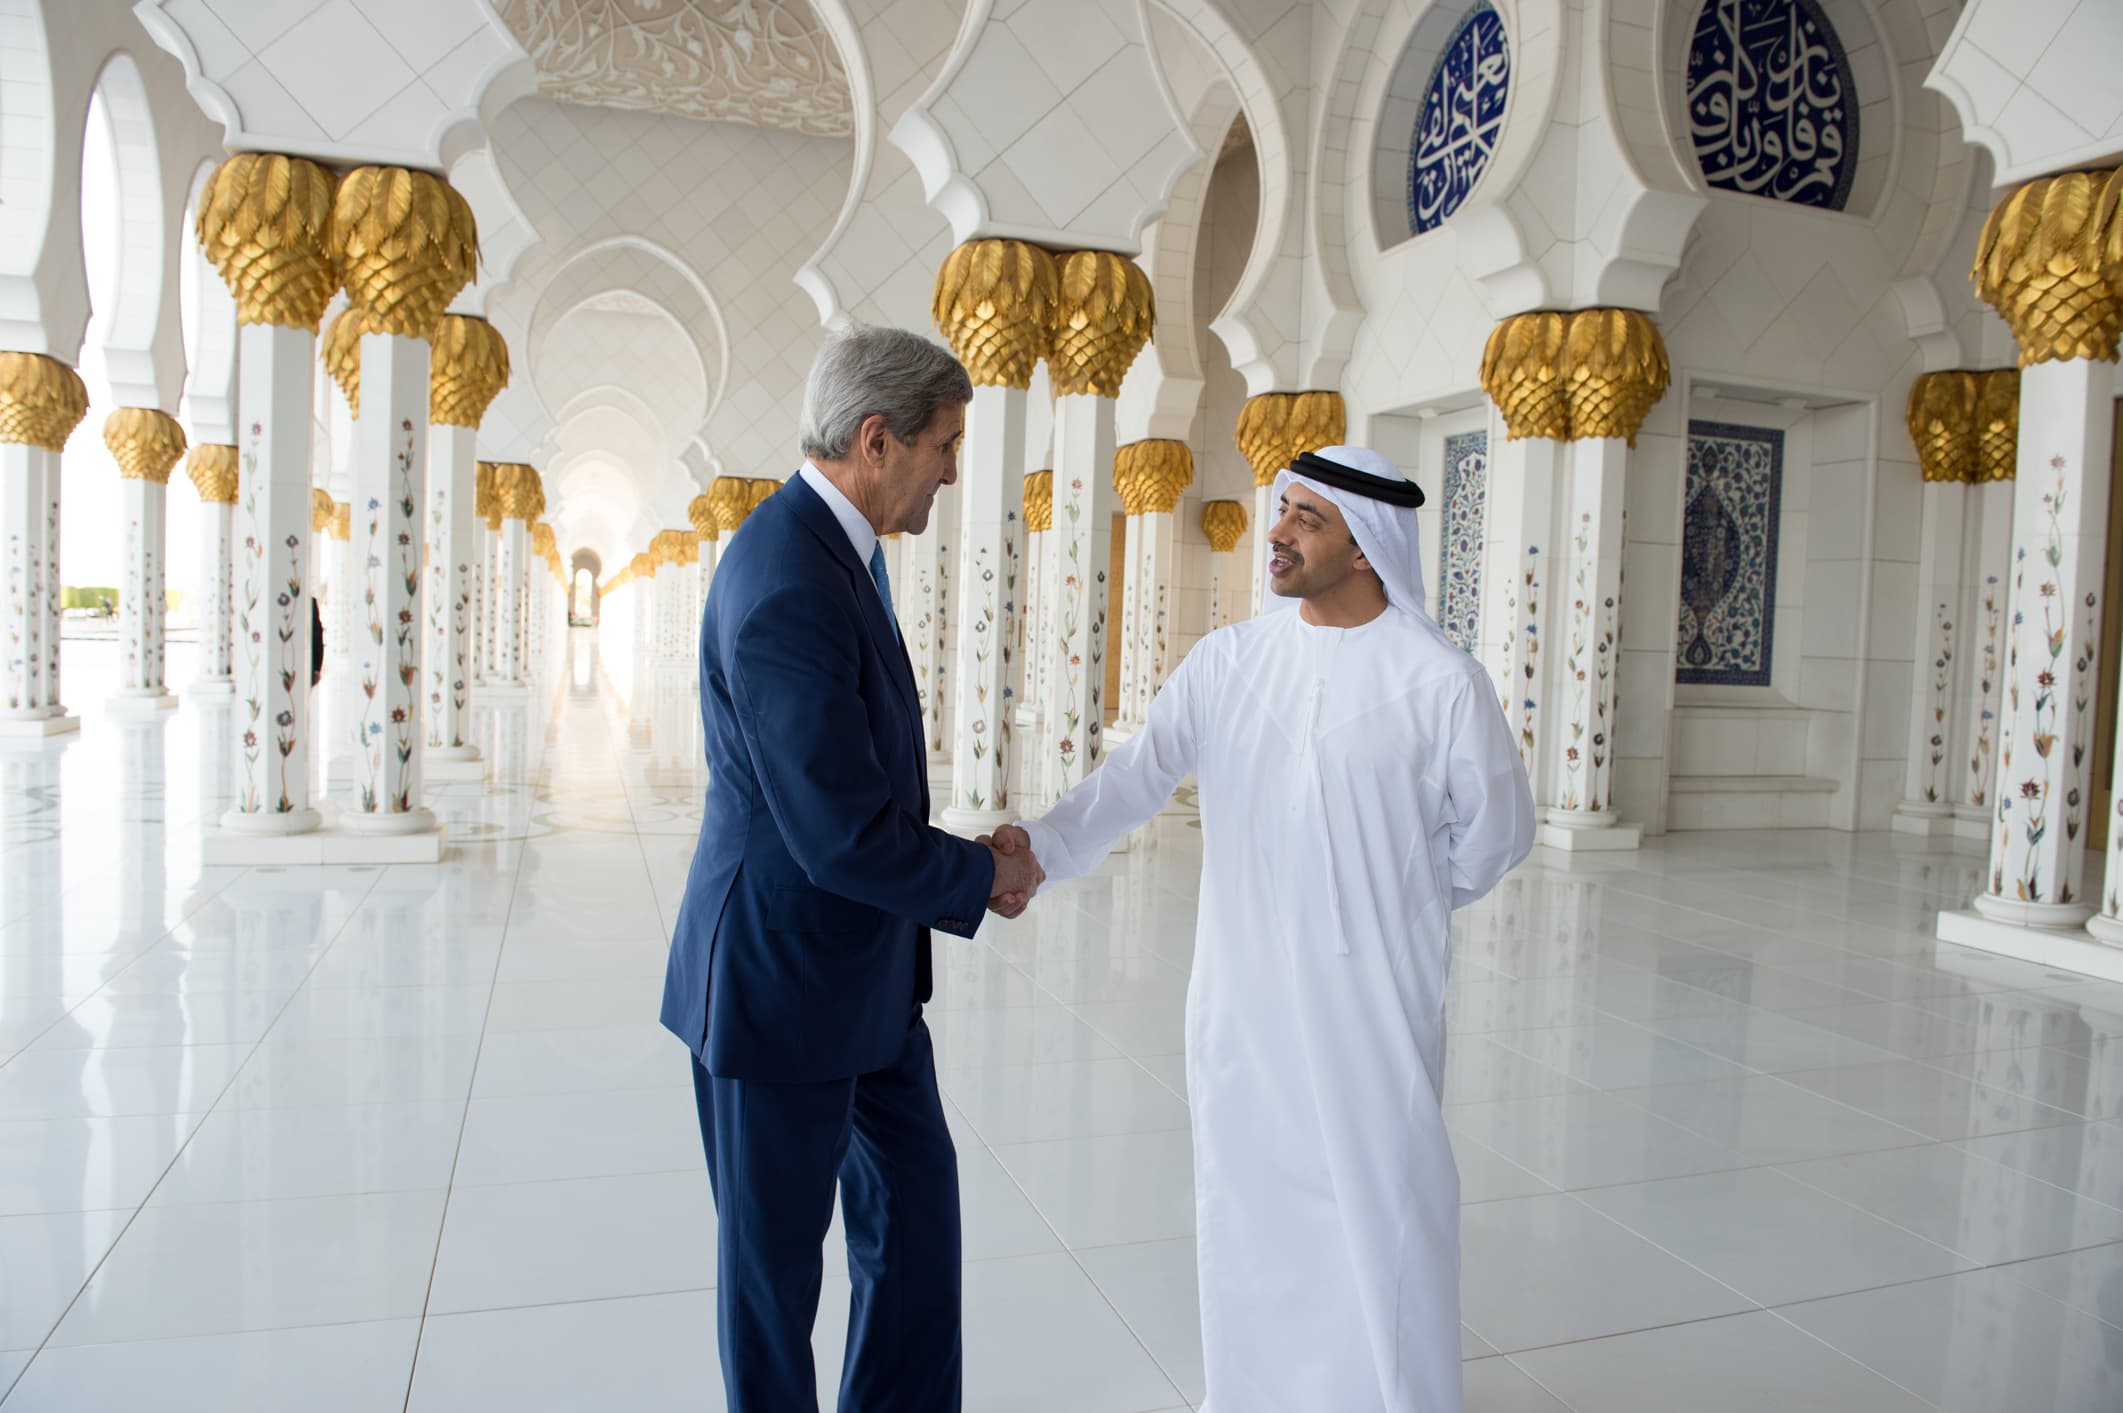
768	63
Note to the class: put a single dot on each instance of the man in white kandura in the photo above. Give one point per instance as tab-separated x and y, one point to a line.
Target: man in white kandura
1358	783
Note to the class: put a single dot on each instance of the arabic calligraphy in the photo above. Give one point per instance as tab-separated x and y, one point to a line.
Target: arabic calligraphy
1772	108
1462	113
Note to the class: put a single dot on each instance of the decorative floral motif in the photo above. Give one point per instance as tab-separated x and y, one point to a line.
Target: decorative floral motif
1941	677
1466	496
1981	762
2018	855
1729	554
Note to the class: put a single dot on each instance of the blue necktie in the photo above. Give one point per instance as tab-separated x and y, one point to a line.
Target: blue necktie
884	584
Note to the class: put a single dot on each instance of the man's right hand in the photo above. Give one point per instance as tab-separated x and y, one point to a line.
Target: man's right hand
1017	872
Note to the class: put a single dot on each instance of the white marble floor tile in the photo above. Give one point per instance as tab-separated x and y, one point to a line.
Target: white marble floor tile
976	1039
1040	1338
295	1070
46	1257
1765	1041
1983	1210
1139	1027
1770	1237
1572	1141
1152	1284
2089	1281
58	1084
1500	1386
2085	1158
108	1021
1106	1191
656	1351
1073	1099
86	1164
229	1267
2086	1082
1937	1103
543	1243
251	1155
1769	1119
1749	1363
347	1368
1975	1343
1545	1270
642	1055
570	1005
593	1134
995	1216
1617	1054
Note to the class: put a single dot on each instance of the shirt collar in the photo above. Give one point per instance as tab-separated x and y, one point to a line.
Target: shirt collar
861	537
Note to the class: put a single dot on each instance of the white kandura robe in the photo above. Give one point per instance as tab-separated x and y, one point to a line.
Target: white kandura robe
1356	786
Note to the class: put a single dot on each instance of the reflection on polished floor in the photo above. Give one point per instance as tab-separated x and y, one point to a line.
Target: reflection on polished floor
1734	1131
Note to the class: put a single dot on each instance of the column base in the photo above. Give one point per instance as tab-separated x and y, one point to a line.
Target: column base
1972	824
212	687
968	823
452	765
2070	949
57	724
141	704
502	692
380	824
2014	913
265	825
224	848
1573	831
1924	819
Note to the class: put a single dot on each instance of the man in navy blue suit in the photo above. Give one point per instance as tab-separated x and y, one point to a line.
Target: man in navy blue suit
801	958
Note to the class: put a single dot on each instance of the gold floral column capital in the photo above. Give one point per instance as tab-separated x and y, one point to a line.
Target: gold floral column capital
146	442
2049	260
731	499
544	543
1274	428
763	489
1152	475
213	469
1582	375
320	510
340	352
1224	522
468	367
265	223
701	511
485	503
405	243
41	400
642	567
1104	314
342	527
994	303
517	492
1039	501
1997	424
1942	423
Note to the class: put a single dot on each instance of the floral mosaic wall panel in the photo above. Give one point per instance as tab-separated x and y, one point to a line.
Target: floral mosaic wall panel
1466	503
1729	555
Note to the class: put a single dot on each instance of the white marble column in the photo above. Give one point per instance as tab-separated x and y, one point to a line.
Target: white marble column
146	444
212	468
1129	609
1588	618
2060	530
1517	595
991	486
1224	524
928	556
273	589
1932	768
1988	551
452	582
43	401
1075	590
510	548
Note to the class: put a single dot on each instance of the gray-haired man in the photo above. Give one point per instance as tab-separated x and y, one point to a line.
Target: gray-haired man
800	961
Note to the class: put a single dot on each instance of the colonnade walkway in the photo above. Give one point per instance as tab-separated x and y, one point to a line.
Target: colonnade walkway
1734	1130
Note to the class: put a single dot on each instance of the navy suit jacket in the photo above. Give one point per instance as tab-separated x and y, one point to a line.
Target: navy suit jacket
802	945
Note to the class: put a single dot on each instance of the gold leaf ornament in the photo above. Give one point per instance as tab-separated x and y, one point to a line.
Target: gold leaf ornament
342	521
340	352
467	369
485	504
762	491
1152	475
405	242
995	303
518	495
1224	522
1039	501
1274	428
1942	424
1105	314
265	223
1576	376
731	499
2048	261
146	443
213	469
320	510
41	401
1997	424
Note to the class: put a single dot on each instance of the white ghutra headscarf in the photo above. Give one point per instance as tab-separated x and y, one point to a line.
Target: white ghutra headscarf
1389	535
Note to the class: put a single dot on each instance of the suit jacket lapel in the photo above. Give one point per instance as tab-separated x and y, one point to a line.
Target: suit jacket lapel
818	518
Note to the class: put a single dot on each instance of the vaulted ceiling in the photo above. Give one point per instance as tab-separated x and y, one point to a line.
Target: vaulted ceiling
767	63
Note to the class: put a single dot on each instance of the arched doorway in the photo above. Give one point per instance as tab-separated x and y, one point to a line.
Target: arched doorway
585	569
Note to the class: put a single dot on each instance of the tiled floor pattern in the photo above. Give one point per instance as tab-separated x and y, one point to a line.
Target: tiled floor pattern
1735	1132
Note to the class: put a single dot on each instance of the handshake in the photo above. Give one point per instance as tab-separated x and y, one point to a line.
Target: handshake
1017	873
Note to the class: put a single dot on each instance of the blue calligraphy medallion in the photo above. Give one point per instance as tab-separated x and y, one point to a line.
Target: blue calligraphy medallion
1462	115
1772	107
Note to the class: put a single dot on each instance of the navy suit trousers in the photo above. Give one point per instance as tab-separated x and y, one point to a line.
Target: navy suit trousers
775	1153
